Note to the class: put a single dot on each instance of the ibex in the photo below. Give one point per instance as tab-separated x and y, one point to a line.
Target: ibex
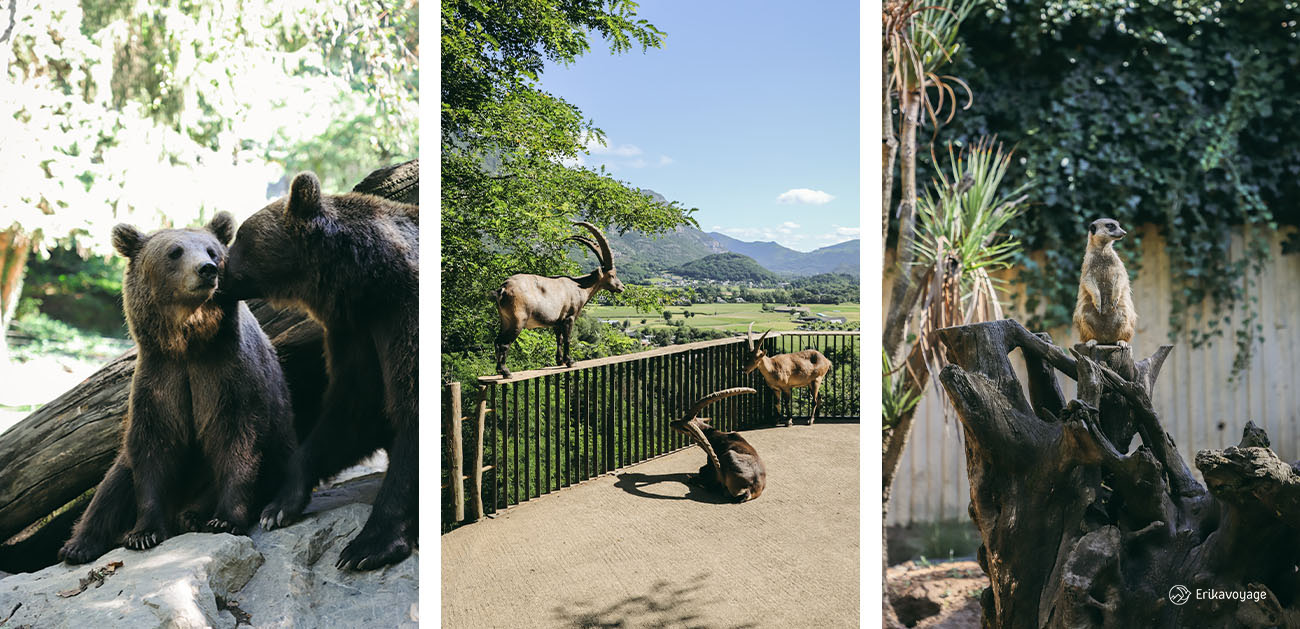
527	301
733	466
786	372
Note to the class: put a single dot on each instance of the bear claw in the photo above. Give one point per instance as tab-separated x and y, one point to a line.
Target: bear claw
369	552
143	540
218	525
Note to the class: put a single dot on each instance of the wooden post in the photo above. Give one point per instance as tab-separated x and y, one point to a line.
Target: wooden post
453	432
476	479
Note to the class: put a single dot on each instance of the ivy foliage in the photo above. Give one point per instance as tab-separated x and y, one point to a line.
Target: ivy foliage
1181	114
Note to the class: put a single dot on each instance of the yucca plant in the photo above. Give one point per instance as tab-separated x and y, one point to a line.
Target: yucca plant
960	239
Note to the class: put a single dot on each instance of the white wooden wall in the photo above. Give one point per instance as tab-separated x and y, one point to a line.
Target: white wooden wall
1196	402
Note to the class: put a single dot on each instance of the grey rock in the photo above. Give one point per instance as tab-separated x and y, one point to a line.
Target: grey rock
283	578
173	585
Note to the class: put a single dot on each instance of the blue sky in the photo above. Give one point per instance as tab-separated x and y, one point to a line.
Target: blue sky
749	112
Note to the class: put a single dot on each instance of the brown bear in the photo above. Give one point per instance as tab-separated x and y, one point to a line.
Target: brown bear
209	425
352	262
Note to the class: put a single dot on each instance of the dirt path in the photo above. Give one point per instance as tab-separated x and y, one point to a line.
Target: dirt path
937	596
641	548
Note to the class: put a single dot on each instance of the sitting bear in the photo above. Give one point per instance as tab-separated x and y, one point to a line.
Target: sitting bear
352	262
209	426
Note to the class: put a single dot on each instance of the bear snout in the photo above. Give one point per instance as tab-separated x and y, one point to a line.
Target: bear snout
208	271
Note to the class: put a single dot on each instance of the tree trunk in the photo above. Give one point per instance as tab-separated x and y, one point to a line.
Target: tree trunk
906	287
890	150
15	246
1079	532
51	458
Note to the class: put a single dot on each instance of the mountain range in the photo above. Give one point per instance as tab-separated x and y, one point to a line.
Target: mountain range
638	255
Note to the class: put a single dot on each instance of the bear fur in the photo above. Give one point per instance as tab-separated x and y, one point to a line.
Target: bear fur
209	425
351	261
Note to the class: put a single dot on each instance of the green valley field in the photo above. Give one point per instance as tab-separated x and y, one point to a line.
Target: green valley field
725	317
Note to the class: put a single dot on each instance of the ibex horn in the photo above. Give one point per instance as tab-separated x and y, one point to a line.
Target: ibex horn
749	336
714	397
590	245
607	256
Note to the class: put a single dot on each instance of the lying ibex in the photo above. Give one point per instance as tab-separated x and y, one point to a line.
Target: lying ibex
733	466
527	301
786	372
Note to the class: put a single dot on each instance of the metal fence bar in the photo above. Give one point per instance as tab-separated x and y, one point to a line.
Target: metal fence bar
543	430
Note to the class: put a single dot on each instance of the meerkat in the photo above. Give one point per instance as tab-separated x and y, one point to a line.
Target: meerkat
1104	312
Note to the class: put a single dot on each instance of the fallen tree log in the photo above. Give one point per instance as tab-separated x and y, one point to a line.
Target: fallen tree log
53	457
1079	531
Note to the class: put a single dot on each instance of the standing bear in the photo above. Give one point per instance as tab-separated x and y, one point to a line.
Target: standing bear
351	261
209	426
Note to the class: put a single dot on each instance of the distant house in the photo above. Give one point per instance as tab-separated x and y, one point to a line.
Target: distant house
801	309
821	318
740	300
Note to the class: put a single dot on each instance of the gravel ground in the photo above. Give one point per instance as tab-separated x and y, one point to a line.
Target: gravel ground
641	548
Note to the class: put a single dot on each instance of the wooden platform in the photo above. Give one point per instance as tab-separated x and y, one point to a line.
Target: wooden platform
641	548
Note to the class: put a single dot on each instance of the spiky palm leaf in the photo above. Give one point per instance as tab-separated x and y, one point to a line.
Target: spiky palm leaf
960	239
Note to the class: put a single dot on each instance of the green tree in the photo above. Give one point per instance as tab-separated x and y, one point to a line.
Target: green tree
509	150
160	113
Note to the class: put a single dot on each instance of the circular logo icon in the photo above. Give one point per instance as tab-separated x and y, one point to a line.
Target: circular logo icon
1179	595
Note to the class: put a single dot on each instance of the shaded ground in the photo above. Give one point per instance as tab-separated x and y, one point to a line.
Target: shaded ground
943	595
641	548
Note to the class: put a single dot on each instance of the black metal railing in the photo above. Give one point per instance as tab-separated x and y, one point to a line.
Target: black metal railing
543	430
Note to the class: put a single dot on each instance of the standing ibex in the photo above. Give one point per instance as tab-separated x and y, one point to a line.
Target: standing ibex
527	301
733	466
786	372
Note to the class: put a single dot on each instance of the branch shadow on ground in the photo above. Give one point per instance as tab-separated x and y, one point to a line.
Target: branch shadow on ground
635	483
667	604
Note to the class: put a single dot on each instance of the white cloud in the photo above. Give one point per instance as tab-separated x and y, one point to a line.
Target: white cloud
805	195
617	150
850	232
618	156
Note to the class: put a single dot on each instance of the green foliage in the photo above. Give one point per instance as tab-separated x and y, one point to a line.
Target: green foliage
85	293
505	146
726	267
896	399
826	288
963	214
1177	114
105	103
34	334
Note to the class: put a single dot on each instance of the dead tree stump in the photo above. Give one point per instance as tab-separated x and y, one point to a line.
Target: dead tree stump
55	455
1079	530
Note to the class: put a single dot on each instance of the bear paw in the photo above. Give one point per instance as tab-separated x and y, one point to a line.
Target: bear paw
218	525
367	552
143	539
77	551
190	521
282	512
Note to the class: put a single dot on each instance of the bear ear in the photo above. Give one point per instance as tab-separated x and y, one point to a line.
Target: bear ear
127	240
223	227
304	196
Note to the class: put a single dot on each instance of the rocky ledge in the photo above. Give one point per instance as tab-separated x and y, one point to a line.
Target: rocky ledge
282	578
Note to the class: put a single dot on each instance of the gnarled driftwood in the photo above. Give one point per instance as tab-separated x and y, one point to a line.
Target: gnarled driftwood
1079	531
